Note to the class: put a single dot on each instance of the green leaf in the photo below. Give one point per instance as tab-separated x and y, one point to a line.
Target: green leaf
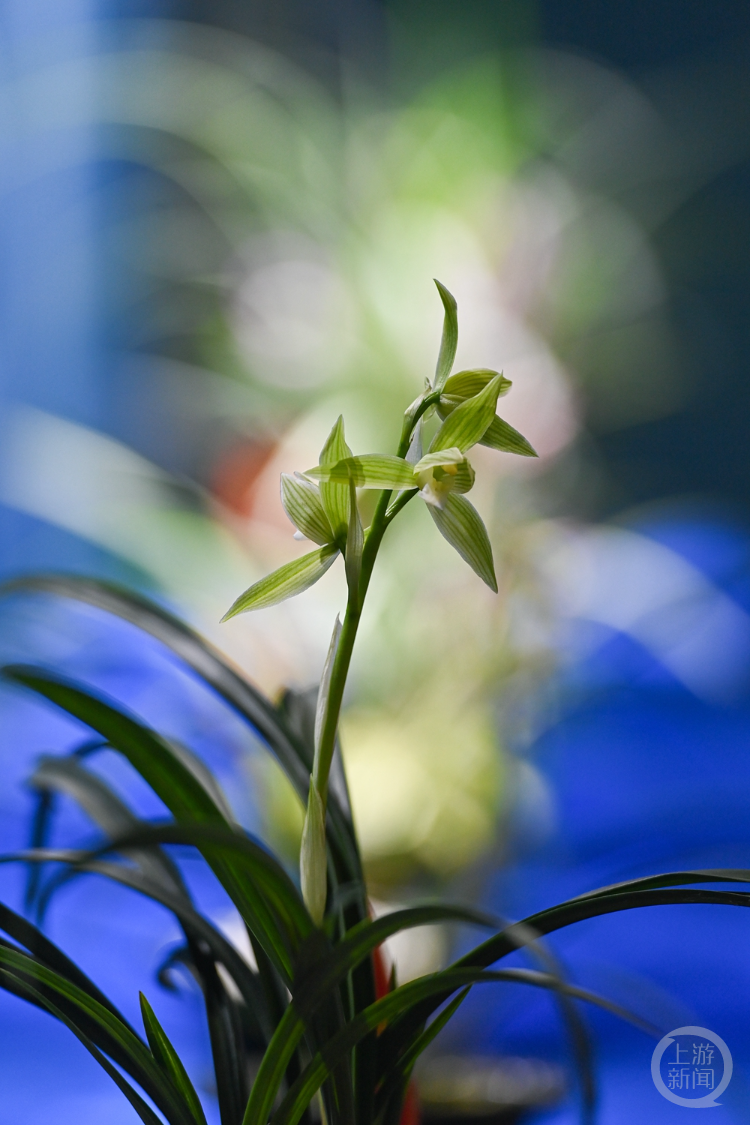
398	1074
65	774
26	991
449	341
323	977
148	752
188	800
466	425
273	1067
335	495
501	435
303	505
132	1052
371	470
355	541
390	1007
625	896
223	678
460	523
290	579
26	934
312	859
329	971
221	950
423	1041
169	1060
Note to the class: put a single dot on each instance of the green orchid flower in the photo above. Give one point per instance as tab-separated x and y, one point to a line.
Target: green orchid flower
322	502
322	505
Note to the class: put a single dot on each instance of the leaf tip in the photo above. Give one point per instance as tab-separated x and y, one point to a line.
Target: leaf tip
445	294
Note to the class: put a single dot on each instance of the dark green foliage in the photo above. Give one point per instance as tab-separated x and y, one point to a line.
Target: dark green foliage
309	1005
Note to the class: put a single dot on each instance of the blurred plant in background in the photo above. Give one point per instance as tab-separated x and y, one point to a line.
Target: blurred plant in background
260	242
285	243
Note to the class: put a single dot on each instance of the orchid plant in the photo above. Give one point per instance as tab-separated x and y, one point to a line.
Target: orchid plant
322	503
313	1016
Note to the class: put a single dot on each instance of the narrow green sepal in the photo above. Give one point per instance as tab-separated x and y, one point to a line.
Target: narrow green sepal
414	452
321	708
303	505
459	522
466	425
452	456
449	341
169	1061
335	495
312	859
371	470
290	579
466	384
501	435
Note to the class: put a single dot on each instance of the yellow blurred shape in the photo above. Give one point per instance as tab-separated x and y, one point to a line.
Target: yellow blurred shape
425	787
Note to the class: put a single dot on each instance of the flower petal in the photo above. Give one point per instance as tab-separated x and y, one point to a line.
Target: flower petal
335	496
288	580
501	435
466	425
372	470
459	522
466	384
303	505
452	456
449	341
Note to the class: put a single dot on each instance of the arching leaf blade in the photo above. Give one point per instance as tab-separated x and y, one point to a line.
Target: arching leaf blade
31	938
400	1001
33	996
66	774
209	664
563	915
169	1061
328	972
182	793
221	950
136	1058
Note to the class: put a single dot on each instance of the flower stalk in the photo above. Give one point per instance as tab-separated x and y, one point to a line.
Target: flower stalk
322	504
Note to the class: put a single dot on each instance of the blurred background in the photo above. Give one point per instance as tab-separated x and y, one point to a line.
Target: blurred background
219	225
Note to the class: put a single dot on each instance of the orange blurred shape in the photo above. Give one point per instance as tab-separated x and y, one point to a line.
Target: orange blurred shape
410	1113
236	473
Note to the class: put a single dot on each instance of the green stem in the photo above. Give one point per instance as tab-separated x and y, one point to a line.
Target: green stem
343	656
380	522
